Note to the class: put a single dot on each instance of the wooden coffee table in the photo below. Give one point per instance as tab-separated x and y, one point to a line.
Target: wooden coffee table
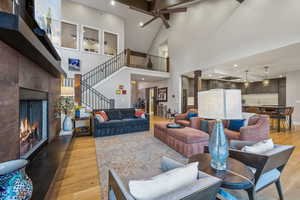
237	177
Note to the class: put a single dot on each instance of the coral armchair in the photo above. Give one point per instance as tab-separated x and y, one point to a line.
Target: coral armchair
183	118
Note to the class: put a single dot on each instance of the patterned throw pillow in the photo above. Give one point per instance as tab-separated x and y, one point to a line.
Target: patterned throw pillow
99	118
103	115
139	113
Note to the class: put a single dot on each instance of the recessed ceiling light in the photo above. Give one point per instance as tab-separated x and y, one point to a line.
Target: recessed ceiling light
143	79
141	24
112	2
235	65
281	76
210	75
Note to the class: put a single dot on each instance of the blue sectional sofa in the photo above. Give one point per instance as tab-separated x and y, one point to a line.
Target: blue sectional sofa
120	121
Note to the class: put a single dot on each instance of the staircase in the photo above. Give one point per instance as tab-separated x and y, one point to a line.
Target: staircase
93	98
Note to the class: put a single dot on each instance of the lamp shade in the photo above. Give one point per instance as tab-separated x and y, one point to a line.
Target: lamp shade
220	104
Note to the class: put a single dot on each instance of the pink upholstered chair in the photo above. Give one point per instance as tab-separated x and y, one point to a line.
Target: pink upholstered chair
183	118
258	128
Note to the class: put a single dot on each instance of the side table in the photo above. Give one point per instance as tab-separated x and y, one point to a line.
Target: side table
237	177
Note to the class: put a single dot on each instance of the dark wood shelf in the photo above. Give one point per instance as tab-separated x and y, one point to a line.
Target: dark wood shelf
18	35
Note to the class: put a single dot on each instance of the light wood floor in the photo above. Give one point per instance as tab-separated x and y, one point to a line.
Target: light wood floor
79	180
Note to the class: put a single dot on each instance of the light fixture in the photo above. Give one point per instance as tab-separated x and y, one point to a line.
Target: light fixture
281	76
266	81
247	83
143	79
141	24
235	65
112	2
210	75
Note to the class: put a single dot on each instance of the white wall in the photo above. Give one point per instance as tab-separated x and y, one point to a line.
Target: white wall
109	86
293	95
217	31
83	15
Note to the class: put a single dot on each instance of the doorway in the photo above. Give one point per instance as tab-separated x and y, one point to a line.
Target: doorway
151	98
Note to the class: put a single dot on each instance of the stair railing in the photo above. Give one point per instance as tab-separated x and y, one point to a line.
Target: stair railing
104	70
94	99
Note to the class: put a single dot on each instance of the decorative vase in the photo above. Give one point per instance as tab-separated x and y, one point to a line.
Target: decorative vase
67	125
218	147
14	182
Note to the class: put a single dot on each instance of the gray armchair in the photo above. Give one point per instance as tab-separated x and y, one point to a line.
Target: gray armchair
267	167
205	188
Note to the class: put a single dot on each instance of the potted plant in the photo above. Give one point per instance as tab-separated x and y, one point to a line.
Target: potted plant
65	105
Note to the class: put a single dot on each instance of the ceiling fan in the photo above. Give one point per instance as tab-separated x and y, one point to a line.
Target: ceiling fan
160	11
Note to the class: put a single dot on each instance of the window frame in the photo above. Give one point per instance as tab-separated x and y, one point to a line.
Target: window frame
103	40
82	40
77	38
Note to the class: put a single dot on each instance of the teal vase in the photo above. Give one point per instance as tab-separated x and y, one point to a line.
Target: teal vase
67	124
218	147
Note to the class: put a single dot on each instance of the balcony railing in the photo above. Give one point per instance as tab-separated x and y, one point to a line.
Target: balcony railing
146	61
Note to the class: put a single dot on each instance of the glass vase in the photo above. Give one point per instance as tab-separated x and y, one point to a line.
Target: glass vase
218	147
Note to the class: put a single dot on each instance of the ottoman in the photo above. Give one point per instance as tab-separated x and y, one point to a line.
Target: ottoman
186	141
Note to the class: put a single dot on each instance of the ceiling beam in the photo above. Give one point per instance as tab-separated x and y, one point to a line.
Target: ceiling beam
240	1
171	3
142	4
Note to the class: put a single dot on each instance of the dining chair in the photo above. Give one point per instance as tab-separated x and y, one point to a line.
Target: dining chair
283	117
267	166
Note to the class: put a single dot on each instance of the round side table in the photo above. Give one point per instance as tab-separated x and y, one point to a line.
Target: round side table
237	177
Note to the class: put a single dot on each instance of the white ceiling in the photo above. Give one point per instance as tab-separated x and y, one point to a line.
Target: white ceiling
146	78
136	38
280	61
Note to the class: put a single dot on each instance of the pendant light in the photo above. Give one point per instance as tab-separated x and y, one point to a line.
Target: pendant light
266	81
247	83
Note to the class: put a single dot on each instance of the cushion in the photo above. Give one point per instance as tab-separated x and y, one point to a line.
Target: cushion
191	115
204	126
246	117
114	114
183	122
127	113
232	135
99	118
139	113
103	114
236	125
259	147
164	183
188	135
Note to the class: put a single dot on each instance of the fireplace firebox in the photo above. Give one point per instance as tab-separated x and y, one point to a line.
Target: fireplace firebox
33	121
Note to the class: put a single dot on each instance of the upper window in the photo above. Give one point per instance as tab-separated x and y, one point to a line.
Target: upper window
69	35
110	43
90	41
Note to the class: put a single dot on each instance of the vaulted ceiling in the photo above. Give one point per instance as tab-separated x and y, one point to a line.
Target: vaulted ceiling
136	38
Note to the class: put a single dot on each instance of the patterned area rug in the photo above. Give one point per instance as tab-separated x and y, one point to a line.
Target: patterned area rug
130	155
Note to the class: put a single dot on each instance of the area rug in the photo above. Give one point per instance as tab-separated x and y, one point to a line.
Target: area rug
133	154
130	154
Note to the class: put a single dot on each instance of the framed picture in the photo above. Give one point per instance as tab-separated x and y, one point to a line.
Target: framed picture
74	64
162	94
118	91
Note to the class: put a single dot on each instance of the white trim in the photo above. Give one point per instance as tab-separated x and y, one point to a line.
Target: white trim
77	36
118	42
82	40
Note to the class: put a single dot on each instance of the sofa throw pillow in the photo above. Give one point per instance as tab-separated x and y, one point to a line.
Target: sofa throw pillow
103	115
162	184
99	118
204	126
259	147
139	113
191	115
236	125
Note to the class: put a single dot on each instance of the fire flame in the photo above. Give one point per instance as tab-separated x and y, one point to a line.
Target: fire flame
26	129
